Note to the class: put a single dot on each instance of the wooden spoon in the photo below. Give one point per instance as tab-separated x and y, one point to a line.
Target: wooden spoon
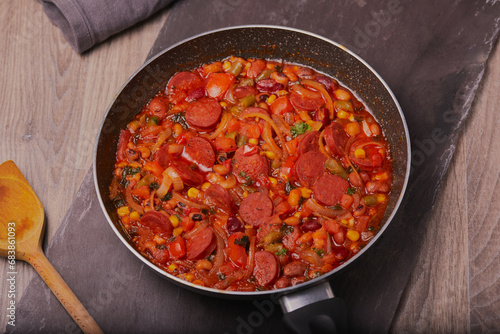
20	205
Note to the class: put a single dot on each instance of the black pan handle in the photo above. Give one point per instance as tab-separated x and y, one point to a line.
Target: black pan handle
314	311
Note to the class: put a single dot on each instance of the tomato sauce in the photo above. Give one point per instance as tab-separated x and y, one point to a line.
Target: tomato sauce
251	174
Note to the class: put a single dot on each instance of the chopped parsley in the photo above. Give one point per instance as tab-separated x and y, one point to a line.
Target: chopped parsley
167	197
288	188
127	170
243	242
221	276
180	118
282	251
299	128
204	211
351	191
301	200
248	179
119	202
155	120
154	186
320	252
286	229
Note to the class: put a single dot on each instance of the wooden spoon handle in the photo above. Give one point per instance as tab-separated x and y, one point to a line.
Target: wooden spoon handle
62	291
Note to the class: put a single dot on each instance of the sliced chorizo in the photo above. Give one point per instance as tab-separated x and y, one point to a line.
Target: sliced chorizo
187	173
266	268
256	208
329	189
158	223
309	142
182	84
309	168
336	139
305	99
200	151
203	114
219	198
201	245
249	165
295	269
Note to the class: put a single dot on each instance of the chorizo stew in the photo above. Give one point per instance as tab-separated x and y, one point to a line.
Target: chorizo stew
251	174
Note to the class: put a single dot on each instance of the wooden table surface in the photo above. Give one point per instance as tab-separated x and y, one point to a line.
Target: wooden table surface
52	101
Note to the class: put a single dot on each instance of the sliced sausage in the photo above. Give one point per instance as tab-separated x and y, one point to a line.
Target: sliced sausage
204	113
200	151
295	269
162	157
249	165
309	142
185	171
219	197
290	239
201	245
158	223
329	189
266	268
305	99
309	168
182	84
256	208
254	110
336	139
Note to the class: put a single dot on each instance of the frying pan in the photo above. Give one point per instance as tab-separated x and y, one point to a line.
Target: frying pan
308	307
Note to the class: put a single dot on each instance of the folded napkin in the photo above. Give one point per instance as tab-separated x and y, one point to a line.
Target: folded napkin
86	23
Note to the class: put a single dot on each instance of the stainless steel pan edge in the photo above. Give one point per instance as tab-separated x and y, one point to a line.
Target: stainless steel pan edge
271	42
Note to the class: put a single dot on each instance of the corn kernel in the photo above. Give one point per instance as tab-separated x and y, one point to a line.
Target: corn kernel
270	154
360	153
123	211
271	99
193	192
297	214
305	192
205	186
190	277
342	114
273	181
351	221
135	215
351	118
227	65
173	267
178	129
294	197
254	141
223	104
381	198
352	235
174	220
245	194
282	92
344	222
177	231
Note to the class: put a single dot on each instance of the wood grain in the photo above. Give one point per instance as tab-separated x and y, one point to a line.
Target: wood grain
52	103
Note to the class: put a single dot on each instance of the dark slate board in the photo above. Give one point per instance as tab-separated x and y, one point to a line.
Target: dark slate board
432	59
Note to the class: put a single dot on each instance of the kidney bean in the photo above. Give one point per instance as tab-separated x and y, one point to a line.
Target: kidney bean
234	225
268	86
310	225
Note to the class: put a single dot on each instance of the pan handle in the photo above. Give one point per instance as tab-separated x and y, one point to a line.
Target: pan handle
314	310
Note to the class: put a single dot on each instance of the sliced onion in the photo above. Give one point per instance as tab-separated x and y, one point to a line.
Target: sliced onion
366	129
268	138
161	139
326	96
312	257
224	122
196	230
176	179
131	202
321	210
188	202
219	255
274	126
251	258
165	186
280	122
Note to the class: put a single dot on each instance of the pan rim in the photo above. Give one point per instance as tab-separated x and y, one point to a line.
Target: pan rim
253	294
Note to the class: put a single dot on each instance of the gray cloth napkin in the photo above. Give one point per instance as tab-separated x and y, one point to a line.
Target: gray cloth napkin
86	23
